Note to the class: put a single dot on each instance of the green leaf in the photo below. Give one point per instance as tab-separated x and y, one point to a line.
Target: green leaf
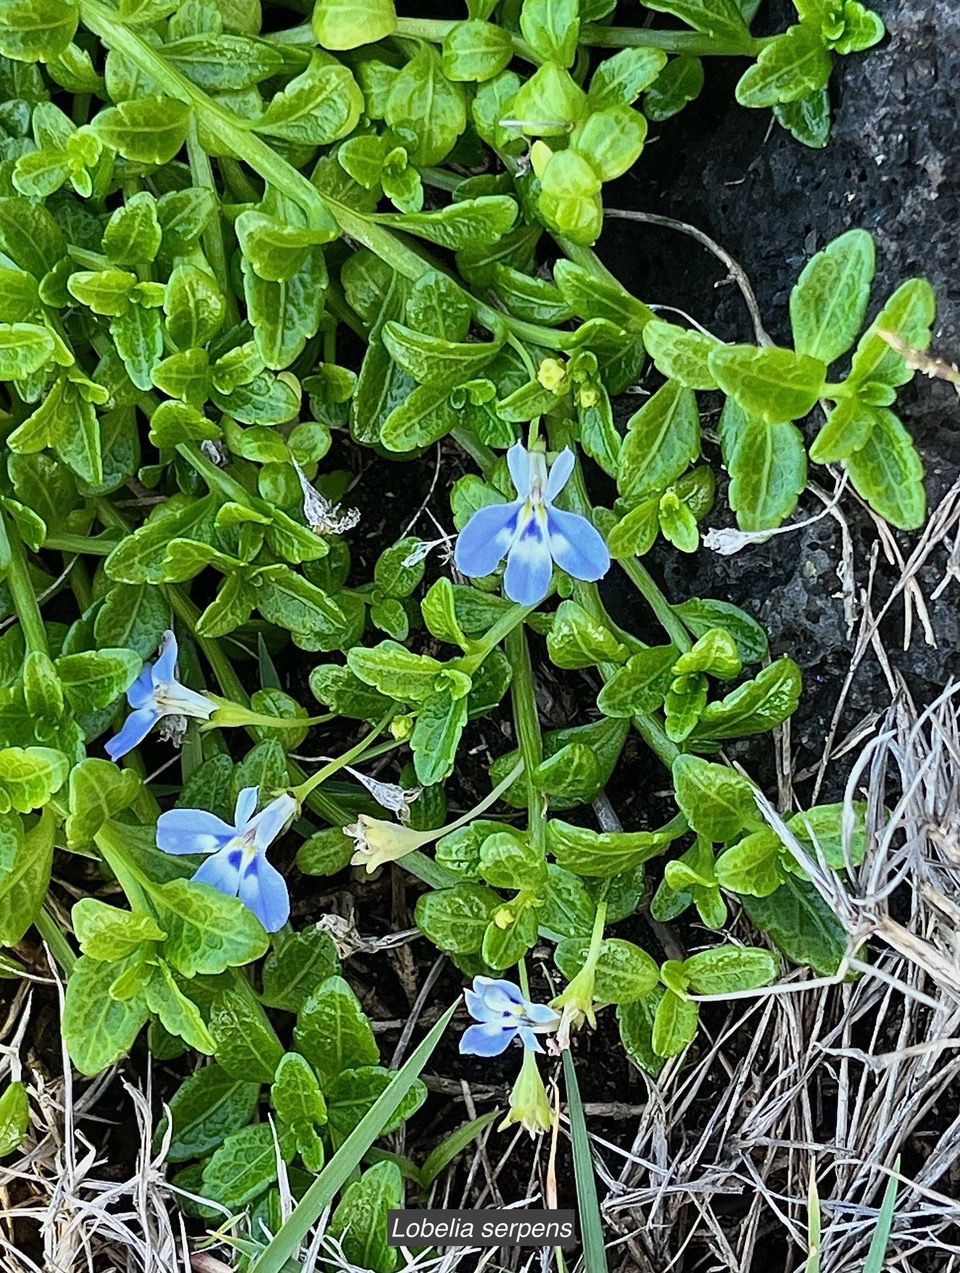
147	130
767	464
624	972
716	801
176	1011
96	678
808	118
296	966
576	639
846	430
97	1029
316	108
636	1031
801	924
829	302
24	348
352	1093
604	854
106	932
14	1117
436	736
464	224
25	865
436	362
422	98
207	931
909	314
332	1031
720	19
611	140
752	865
476	51
674	1024
700	616
360	1220
29	776
680	82
727	969
619	80
715	653
36	30
347	24
680	354
888	472
862	28
640	686
770	383
455	919
246	1045
790	67
400	674
138	336
242	1168
206	1108
551	28
423	418
300	1106
548	103
756	706
133	233
223	62
663	438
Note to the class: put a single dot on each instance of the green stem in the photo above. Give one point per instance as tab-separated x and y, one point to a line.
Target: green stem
201	173
527	724
690	42
354	753
59	947
25	603
132	880
510	622
641	578
436	31
95	545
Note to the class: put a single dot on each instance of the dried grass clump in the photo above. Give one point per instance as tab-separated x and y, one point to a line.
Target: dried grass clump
838	1079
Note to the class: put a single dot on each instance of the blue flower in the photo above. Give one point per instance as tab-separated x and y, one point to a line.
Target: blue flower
531	533
156	694
238	863
503	1014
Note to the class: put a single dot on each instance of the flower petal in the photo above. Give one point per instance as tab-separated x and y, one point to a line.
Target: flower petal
518	462
560	472
263	890
529	564
478	1009
541	1014
485	1040
499	995
577	546
192	831
271	820
140	693
246	807
484	541
135	729
529	1039
222	871
180	700
165	668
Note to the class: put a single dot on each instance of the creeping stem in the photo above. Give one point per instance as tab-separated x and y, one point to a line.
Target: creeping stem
24	598
527	724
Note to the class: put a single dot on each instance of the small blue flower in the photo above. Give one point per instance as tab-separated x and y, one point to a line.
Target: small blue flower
238	863
531	533
154	695
503	1014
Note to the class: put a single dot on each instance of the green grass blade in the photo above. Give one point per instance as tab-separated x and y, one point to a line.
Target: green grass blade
588	1204
813	1222
878	1246
335	1174
452	1145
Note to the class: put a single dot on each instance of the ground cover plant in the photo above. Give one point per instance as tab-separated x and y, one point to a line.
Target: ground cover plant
257	268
